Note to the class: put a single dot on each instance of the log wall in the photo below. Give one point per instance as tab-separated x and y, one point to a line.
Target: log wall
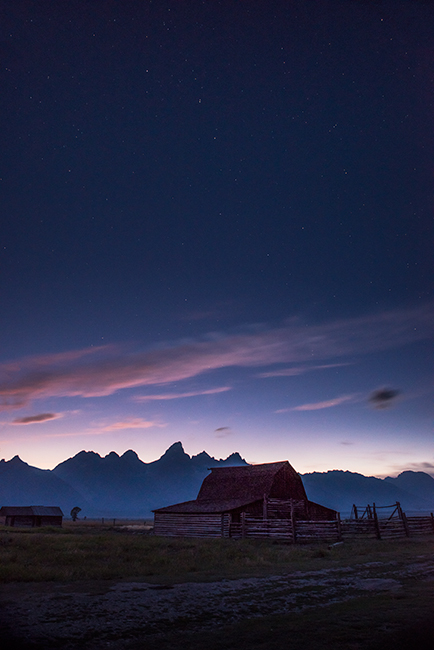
193	525
317	531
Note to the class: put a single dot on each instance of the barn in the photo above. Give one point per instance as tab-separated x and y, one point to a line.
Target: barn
246	501
31	516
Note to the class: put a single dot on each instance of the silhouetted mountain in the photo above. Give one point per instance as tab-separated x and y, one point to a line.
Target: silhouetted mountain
340	490
125	486
417	483
24	485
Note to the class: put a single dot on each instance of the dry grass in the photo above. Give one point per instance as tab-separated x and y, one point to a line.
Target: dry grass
95	552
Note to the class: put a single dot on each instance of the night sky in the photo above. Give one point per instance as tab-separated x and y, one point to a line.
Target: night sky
217	227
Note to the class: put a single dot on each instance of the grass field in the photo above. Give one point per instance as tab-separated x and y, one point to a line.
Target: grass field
92	552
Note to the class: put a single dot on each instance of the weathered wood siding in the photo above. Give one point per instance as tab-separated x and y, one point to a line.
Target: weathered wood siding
20	521
352	529
258	528
191	525
50	521
419	525
387	528
32	521
307	532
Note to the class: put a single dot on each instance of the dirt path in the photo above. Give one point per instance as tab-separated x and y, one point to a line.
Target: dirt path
101	615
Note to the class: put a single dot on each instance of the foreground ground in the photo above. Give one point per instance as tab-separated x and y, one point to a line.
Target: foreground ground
350	596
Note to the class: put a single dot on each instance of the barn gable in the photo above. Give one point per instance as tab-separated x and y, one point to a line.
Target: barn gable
250	483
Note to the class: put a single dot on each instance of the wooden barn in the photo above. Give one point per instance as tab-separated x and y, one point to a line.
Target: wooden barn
246	501
31	516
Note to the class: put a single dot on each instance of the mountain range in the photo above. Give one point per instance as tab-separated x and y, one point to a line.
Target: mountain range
124	486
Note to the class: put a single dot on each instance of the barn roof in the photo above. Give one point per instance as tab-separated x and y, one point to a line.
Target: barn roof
229	488
29	511
248	482
206	506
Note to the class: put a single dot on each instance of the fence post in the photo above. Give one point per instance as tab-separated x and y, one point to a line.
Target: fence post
432	522
264	508
243	525
376	523
356	514
294	532
339	527
404	519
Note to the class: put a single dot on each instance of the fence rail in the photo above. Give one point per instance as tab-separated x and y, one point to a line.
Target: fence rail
293	530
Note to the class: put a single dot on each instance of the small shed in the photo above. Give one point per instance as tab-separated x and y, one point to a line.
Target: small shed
31	516
247	501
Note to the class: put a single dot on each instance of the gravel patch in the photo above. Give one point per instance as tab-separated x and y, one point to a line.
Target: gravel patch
113	615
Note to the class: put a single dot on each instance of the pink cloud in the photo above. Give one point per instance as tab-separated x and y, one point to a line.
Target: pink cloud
130	423
164	396
103	371
316	406
298	370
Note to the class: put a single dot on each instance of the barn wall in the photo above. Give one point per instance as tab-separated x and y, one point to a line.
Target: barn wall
258	528
22	521
50	521
191	525
315	511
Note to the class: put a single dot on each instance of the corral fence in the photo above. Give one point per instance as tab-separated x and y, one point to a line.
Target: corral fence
386	522
370	522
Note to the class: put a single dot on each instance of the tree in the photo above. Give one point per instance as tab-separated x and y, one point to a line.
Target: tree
74	513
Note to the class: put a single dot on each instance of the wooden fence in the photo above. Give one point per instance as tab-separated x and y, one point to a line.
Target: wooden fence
332	531
291	530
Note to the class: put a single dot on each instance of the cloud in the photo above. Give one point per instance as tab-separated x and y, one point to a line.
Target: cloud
299	370
427	467
129	423
316	406
222	432
383	397
37	419
164	396
105	370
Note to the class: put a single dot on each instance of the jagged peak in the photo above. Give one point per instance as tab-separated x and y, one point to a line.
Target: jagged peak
235	456
130	453
87	454
16	460
203	454
111	456
175	450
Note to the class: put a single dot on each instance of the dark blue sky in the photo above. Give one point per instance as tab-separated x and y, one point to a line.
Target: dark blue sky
216	192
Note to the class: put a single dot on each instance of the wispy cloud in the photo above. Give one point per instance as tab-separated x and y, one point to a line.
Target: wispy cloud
298	370
222	432
37	419
316	406
427	467
129	423
164	396
103	371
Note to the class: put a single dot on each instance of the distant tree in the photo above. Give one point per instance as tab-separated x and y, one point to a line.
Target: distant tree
74	513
